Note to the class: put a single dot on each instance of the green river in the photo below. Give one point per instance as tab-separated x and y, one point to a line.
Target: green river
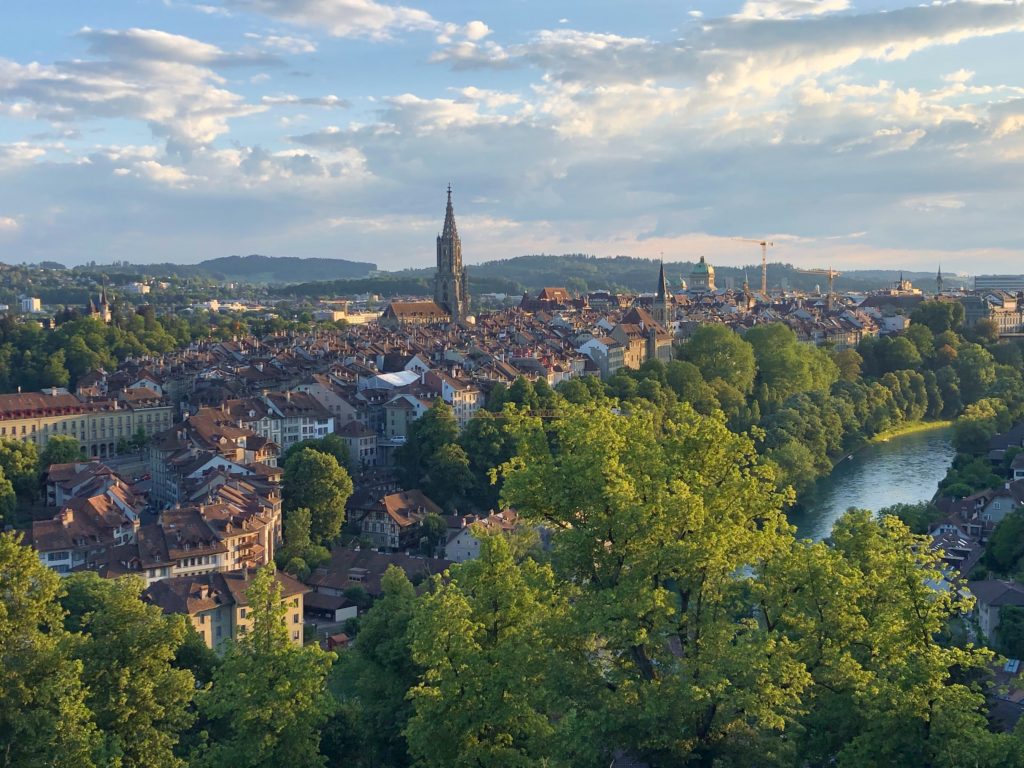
904	469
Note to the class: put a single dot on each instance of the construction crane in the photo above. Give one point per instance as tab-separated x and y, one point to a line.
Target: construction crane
831	274
765	244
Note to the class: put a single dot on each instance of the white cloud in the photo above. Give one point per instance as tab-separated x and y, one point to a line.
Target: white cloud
790	9
19	153
931	203
164	80
286	43
313	101
477	30
8	224
164	174
342	18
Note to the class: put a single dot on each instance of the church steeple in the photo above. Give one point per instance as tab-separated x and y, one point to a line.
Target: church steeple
451	290
662	307
938	281
450	229
662	283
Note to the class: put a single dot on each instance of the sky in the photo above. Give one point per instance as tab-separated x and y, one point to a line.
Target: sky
850	133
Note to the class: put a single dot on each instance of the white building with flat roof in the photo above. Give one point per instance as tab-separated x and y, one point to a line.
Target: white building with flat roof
1008	283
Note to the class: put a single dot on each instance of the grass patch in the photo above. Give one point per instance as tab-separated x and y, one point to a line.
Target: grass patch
910	428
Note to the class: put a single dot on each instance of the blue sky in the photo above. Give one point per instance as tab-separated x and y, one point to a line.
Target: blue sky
854	133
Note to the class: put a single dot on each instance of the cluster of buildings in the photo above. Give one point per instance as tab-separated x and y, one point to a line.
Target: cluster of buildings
216	417
967	524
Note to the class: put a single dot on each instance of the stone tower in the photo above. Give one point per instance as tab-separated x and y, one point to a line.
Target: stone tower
662	307
938	281
450	286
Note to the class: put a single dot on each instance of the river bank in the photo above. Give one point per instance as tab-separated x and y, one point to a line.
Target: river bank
909	428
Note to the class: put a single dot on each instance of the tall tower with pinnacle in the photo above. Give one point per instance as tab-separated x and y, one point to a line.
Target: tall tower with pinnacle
938	281
662	308
450	287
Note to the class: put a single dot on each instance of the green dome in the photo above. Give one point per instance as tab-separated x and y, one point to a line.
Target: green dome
700	268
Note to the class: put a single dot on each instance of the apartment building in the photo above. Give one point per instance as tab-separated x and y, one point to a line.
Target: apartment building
97	424
217	604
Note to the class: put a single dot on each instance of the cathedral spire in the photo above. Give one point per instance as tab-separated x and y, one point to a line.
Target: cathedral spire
662	283
450	229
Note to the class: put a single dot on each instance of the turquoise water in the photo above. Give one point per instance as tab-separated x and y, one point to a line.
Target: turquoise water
906	469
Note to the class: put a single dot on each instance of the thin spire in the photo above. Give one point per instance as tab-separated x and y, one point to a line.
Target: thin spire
450	229
662	283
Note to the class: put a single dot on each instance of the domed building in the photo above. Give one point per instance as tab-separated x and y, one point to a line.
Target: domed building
702	277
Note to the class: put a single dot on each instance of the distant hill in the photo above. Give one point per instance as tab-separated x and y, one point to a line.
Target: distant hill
581	273
577	272
248	269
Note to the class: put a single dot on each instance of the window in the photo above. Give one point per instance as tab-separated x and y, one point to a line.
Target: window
295	618
295	635
202	618
242	613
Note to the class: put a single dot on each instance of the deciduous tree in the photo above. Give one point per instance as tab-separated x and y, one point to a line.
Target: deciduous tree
314	480
268	699
658	518
140	701
44	720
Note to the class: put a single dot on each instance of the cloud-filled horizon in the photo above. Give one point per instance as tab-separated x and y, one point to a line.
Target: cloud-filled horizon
852	133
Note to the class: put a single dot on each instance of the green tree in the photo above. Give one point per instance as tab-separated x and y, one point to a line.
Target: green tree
60	449
658	519
268	699
796	464
434	429
923	340
976	369
383	671
917	517
20	464
486	640
8	501
314	480
686	381
448	477
785	366
849	363
139	699
434	531
721	353
488	444
1006	546
984	331
334	445
863	616
55	373
896	354
1010	632
939	316
44	720
522	394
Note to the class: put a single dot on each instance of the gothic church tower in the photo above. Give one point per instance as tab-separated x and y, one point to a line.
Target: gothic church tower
450	287
662	307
